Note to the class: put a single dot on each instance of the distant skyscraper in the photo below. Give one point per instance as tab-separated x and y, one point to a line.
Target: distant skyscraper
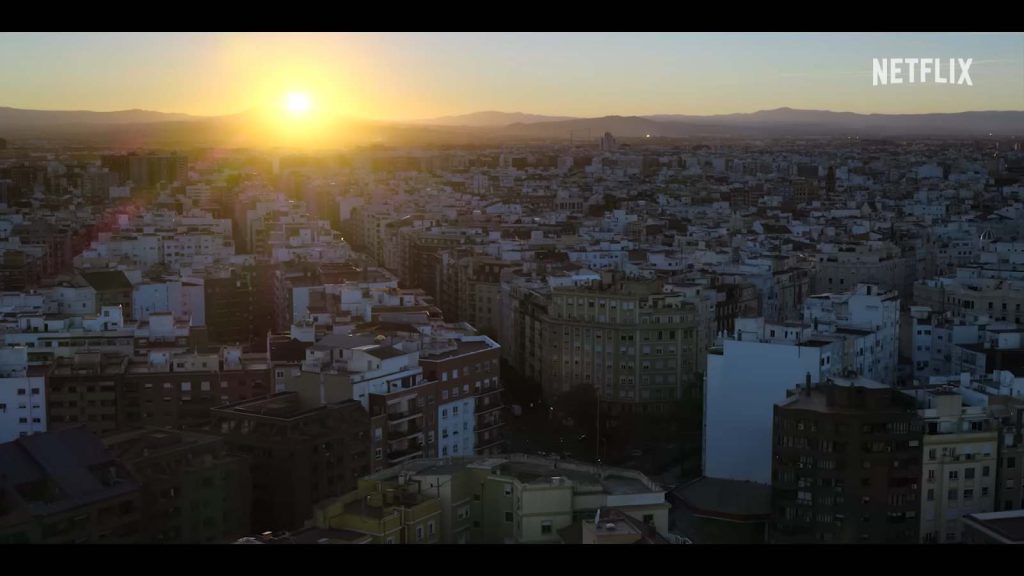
147	171
608	143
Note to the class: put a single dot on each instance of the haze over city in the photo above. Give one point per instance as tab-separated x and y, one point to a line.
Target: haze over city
537	288
410	76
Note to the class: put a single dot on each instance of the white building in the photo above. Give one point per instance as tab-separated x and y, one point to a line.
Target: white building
869	314
456	423
184	298
22	396
744	382
959	461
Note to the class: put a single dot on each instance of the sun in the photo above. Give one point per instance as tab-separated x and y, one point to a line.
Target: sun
298	103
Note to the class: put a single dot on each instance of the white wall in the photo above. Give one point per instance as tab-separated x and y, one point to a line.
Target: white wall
461	440
14	407
743	385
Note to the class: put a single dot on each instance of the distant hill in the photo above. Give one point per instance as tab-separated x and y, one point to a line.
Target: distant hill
142	128
490	118
21	117
823	122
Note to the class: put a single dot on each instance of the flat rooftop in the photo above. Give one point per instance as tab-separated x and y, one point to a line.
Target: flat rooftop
731	499
463	347
1008	524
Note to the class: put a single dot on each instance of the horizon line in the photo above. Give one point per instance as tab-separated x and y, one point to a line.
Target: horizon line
560	117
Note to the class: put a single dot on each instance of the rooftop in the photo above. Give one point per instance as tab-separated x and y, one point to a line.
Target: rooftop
729	499
1008	524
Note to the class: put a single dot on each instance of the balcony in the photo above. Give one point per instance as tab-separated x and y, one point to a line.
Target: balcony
399	435
494	441
483	426
408	414
484	390
402	455
480	409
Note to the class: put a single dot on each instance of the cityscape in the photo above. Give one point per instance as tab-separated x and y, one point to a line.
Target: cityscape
404	300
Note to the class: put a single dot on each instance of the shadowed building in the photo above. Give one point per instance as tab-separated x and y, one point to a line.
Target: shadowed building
65	487
846	463
300	453
193	490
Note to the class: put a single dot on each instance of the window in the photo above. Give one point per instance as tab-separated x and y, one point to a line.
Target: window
649	519
984	471
1011	462
968	495
378	454
21	391
508	489
952	494
969	474
954	474
430	528
545	527
508	517
931	454
444	394
419	533
35	391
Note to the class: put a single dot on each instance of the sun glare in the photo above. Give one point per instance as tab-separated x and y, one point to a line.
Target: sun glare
298	104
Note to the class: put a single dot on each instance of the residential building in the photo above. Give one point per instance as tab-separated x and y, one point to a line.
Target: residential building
846	465
65	487
299	453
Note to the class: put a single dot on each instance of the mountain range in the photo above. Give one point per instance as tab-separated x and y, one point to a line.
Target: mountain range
143	128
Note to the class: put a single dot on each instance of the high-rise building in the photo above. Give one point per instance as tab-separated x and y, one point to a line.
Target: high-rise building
846	465
193	490
632	341
148	171
608	143
959	465
300	453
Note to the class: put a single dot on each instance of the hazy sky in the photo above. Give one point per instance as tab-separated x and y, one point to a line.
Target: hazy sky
420	75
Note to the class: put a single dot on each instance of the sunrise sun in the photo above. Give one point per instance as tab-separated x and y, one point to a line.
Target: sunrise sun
298	103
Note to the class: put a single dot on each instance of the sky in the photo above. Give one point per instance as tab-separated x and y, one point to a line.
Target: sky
404	76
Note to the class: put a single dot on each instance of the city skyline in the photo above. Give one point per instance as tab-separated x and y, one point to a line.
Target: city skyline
418	76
